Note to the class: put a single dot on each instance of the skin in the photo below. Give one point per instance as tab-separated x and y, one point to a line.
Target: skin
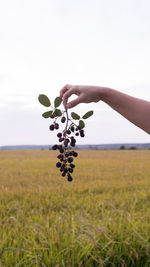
133	109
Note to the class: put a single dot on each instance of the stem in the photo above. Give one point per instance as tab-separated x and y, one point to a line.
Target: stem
67	119
73	123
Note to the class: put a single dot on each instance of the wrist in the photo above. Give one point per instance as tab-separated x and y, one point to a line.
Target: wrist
103	93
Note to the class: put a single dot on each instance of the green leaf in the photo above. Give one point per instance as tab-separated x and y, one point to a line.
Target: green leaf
75	116
57	113
47	114
81	124
88	114
57	101
44	100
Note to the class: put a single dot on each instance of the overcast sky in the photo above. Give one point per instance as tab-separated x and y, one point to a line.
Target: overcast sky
46	44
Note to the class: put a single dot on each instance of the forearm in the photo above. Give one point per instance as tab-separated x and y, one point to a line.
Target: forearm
135	110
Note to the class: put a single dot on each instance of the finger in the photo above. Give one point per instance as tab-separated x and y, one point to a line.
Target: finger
68	93
64	90
73	103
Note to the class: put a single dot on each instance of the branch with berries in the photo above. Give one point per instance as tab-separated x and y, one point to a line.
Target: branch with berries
66	138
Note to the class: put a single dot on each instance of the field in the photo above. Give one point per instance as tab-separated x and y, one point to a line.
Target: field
102	218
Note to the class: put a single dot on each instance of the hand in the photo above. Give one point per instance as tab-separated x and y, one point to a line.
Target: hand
85	93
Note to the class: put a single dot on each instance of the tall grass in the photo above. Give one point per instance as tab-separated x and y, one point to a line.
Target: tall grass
102	218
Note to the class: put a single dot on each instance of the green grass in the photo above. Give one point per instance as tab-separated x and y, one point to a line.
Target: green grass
102	218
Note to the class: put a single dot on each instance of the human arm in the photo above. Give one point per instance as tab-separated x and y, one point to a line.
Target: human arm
134	109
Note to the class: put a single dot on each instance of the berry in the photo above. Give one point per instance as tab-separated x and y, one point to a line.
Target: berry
58	164
66	142
72	165
51	127
82	133
52	116
73	140
70	170
63	173
69	178
60	156
77	134
61	150
61	169
59	135
72	128
54	147
63	119
70	159
65	170
56	126
68	132
72	144
75	154
61	139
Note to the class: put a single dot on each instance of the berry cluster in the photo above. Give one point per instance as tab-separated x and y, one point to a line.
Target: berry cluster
66	138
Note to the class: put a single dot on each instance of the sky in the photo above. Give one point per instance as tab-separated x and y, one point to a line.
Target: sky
47	44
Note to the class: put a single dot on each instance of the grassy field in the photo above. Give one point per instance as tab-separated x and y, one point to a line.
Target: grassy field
102	218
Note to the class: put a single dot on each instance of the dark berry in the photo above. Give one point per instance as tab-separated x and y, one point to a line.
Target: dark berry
73	140
64	173
58	164
56	126
61	139
61	150
61	169
82	133
75	154
77	134
72	144
70	153
72	128
70	159
66	155
54	147
66	142
51	127
69	178
70	170
65	170
63	119
52	116
72	165
59	135
68	132
60	156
